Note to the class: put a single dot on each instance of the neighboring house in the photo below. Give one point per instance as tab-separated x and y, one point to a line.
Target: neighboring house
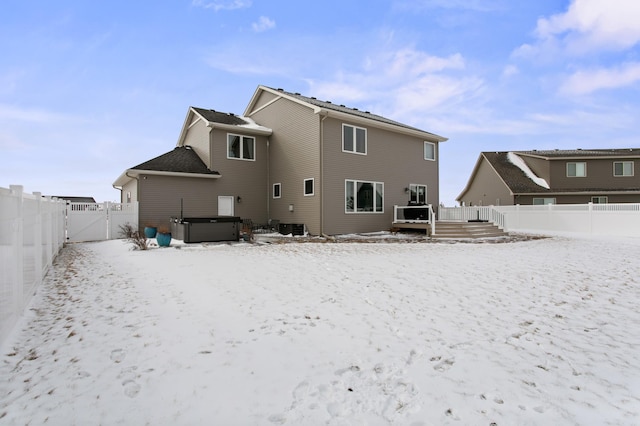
293	160
74	199
554	177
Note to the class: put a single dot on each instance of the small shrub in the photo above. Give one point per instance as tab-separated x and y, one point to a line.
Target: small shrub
135	237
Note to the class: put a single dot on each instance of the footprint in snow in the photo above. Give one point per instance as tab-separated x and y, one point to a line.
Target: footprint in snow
131	388
117	355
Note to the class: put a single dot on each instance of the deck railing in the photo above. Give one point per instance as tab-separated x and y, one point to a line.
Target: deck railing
465	214
414	215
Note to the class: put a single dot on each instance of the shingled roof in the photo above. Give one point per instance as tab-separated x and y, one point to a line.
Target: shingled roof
221	117
515	179
582	153
181	159
353	111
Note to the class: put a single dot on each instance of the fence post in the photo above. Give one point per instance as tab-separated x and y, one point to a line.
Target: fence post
18	245
37	240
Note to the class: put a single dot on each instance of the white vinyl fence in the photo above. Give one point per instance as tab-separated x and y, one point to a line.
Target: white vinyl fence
32	231
99	221
594	219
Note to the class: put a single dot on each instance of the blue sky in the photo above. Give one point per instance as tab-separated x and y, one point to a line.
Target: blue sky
89	89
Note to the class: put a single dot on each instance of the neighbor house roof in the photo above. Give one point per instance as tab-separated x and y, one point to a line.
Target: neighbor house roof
328	107
557	154
181	161
513	176
520	180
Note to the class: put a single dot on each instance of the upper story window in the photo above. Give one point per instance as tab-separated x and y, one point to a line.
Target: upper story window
577	169
354	139
241	147
623	168
418	193
277	188
429	151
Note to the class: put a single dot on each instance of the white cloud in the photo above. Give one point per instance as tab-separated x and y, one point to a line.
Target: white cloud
585	82
588	25
404	84
217	5
263	24
510	70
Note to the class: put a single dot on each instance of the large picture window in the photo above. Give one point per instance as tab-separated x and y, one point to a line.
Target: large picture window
576	169
623	168
354	139
241	147
364	197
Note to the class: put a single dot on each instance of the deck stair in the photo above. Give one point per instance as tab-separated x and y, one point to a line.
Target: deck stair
455	230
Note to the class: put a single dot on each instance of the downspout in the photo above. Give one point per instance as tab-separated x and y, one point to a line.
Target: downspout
268	182
324	117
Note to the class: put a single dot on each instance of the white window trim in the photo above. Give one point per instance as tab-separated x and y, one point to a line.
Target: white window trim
424	151
366	139
304	187
355	210
576	162
543	198
242	147
416	185
623	162
273	191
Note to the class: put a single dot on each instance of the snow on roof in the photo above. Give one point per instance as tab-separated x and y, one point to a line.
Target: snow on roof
519	163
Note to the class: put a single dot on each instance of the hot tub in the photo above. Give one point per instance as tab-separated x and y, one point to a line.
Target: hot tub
206	229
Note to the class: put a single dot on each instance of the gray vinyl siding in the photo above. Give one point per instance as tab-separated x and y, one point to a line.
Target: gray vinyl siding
264	98
242	178
487	188
393	159
294	156
198	138
160	198
599	175
131	186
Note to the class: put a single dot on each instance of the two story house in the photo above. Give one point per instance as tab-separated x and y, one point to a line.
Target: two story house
291	159
554	177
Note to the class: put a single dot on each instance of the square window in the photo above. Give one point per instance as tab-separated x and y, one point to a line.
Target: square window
600	200
308	187
354	139
429	151
418	193
276	190
241	147
576	169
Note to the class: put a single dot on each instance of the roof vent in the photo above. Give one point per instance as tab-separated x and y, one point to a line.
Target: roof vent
355	109
280	89
312	97
342	105
297	93
367	112
328	102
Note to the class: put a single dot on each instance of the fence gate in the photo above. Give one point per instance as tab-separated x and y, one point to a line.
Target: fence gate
99	221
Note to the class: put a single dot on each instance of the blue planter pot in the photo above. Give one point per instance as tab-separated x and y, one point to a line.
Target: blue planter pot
164	240
150	231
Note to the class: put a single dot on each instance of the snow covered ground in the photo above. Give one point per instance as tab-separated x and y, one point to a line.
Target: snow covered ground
540	332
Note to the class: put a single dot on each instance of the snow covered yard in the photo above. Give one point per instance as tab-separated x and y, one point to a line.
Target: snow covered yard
531	332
